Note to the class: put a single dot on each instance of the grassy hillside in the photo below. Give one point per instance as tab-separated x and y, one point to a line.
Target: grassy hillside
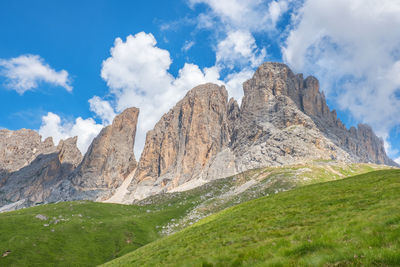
78	233
88	234
354	221
223	193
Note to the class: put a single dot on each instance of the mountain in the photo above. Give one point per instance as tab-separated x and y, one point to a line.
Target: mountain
35	172
106	164
183	142
283	119
30	168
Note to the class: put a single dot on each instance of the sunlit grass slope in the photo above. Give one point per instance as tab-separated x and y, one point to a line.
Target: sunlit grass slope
88	234
349	222
78	233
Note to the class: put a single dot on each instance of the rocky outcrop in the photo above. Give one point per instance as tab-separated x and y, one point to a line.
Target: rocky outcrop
38	172
276	79
184	141
283	119
38	168
110	157
68	151
19	148
361	142
272	129
107	163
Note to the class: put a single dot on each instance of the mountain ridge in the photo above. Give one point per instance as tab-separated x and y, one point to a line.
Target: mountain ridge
283	119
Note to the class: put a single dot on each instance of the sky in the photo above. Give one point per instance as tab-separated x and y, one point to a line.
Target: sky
67	68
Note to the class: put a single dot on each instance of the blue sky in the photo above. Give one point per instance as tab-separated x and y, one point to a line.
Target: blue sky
67	67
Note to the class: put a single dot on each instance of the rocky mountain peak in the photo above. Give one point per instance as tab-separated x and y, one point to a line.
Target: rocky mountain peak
68	151
187	136
185	139
283	119
32	168
272	80
110	157
19	148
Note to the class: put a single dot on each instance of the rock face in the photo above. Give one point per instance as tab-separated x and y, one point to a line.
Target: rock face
19	148
183	142
106	164
361	143
110	157
38	172
283	119
31	168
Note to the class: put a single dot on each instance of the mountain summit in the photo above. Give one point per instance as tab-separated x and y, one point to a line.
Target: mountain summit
283	119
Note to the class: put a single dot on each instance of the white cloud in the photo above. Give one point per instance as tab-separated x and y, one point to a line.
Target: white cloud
102	109
188	45
234	83
397	160
205	21
25	72
239	49
85	129
251	15
137	75
276	9
353	48
234	22
137	63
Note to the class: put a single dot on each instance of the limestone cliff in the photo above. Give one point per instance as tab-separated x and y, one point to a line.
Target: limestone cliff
110	157
283	119
38	172
106	164
32	168
183	142
19	148
361	142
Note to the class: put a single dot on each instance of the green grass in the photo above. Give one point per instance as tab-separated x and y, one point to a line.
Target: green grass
220	194
349	222
86	234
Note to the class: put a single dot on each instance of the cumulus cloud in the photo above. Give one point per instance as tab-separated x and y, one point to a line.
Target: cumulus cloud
137	70
353	48
137	75
85	129
26	72
251	15
102	109
233	23
397	160
239	49
234	83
